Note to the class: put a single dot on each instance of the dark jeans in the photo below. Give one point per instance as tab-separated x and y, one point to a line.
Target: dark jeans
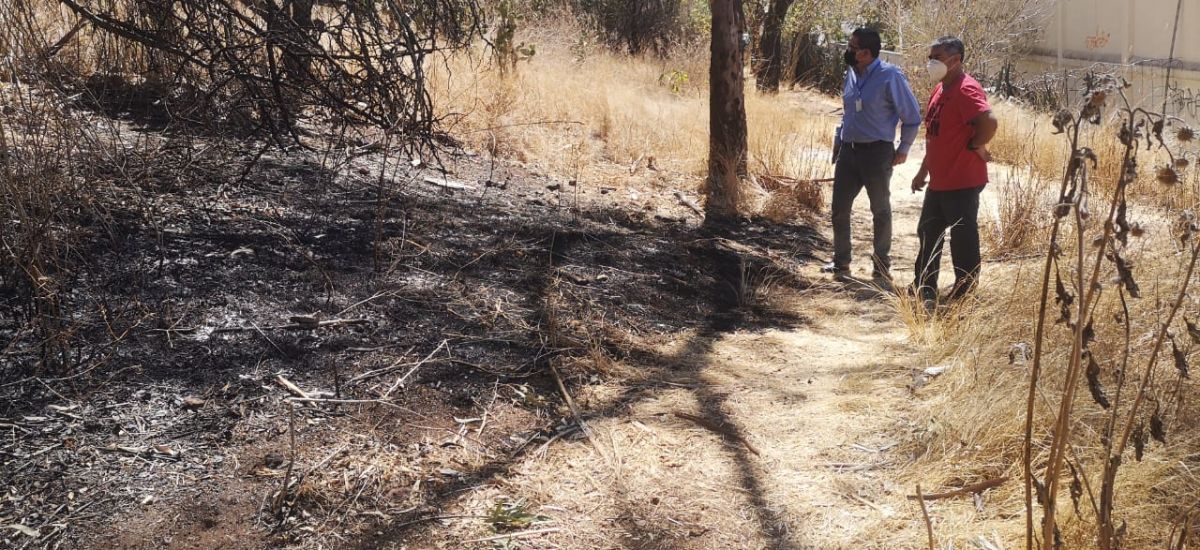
959	211
860	167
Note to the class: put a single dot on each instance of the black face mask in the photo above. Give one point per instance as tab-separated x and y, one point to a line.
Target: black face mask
850	57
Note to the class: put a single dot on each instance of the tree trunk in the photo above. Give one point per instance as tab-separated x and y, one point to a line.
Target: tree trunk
159	16
770	47
727	113
295	59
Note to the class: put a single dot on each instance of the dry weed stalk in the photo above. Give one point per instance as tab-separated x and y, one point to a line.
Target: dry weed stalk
1079	302
38	196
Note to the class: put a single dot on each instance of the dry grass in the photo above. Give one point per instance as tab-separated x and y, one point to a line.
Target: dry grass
1026	139
605	119
977	409
1035	157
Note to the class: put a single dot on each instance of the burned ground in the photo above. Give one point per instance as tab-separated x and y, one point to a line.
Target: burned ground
446	310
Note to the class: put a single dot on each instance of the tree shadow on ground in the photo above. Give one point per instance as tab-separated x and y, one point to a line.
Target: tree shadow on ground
507	283
729	313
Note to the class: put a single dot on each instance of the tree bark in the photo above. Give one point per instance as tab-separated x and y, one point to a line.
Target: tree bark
295	60
727	113
770	47
159	16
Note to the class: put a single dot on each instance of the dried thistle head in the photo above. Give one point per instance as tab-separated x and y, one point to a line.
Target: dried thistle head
1126	136
1167	175
1181	163
1185	134
1131	172
1185	226
1136	229
1061	120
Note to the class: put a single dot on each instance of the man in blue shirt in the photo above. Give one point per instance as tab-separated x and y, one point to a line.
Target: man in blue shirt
876	98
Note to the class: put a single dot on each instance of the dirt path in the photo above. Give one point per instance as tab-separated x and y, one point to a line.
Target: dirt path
813	418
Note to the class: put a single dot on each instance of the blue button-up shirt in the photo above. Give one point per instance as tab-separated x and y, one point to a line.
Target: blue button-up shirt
885	100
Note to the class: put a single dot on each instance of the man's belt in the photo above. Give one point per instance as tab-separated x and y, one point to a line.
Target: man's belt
866	144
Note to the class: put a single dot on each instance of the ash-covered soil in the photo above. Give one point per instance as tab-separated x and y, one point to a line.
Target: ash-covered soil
292	351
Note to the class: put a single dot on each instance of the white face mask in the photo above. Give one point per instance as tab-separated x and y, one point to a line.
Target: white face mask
937	70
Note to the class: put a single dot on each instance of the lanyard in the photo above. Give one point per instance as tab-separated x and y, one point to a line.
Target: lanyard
860	83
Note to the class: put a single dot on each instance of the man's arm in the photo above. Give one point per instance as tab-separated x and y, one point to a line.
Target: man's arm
918	182
910	115
985	124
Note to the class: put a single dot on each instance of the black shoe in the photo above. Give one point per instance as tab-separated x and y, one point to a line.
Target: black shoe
835	269
927	296
883	280
960	292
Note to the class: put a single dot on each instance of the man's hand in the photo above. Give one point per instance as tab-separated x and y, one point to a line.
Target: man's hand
918	182
899	158
983	153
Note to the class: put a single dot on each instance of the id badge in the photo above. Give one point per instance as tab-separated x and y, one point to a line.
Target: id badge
858	105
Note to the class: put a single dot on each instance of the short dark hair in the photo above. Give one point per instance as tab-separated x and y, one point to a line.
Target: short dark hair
951	44
868	39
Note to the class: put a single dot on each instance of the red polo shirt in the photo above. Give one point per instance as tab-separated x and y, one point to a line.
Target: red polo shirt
947	131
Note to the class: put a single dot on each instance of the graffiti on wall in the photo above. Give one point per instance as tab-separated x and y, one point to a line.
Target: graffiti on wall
1098	40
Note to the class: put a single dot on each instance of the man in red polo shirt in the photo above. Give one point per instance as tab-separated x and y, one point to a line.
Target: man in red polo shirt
958	126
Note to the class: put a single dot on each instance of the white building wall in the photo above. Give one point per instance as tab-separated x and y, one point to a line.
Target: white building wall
1131	38
1123	31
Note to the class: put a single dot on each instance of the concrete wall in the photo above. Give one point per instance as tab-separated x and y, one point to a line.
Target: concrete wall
1123	31
1131	38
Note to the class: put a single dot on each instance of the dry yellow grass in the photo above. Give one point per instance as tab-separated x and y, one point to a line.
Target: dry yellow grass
608	119
977	409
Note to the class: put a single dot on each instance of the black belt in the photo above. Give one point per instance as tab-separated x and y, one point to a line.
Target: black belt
866	145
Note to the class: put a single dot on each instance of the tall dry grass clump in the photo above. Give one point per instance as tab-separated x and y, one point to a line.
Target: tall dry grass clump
607	119
1028	143
1075	368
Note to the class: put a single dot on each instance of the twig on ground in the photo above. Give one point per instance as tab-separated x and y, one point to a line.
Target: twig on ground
356	402
925	514
969	489
376	296
842	467
290	326
281	500
290	387
587	431
864	502
880	449
517	535
683	200
400	381
542	448
418	521
447	183
487	410
721	429
398	363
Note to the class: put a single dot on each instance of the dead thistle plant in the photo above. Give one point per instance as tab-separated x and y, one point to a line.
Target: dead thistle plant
1088	258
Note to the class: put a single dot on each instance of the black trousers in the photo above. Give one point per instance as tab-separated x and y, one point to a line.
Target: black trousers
863	167
957	211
